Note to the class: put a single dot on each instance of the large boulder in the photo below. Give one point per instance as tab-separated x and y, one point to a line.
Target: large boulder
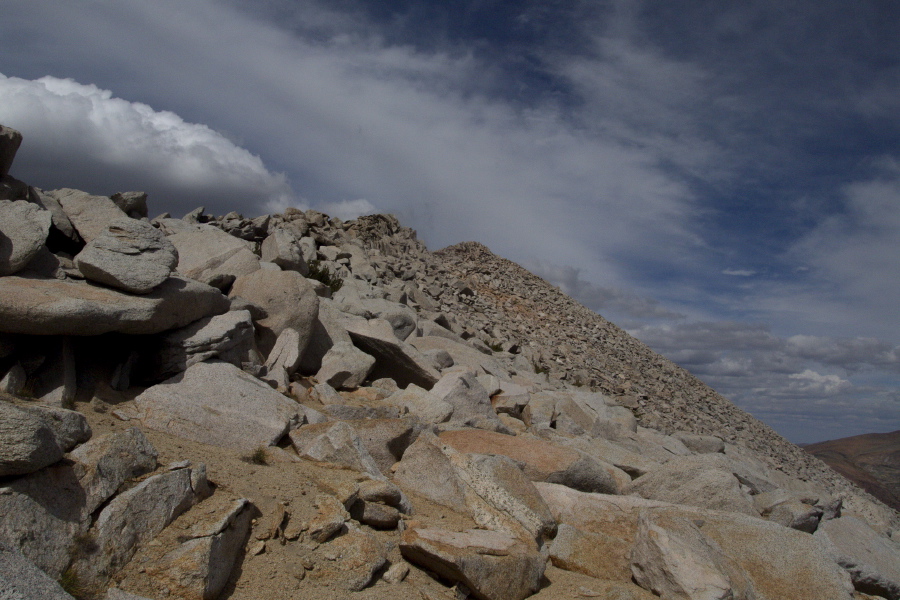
493	565
20	579
129	255
218	404
470	401
336	443
394	359
32	437
427	407
328	331
596	554
288	299
52	307
10	140
705	481
283	248
872	560
541	460
345	366
228	337
90	215
23	231
208	254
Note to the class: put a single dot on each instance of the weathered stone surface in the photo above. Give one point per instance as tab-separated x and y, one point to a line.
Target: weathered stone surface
328	331
358	557
10	140
796	515
462	354
216	403
228	337
206	253
201	567
402	318
345	366
386	439
32	437
133	204
117	594
58	216
704	481
492	564
427	471
23	231
330	518
336	443
470	401
595	554
288	299
673	559
20	579
872	560
701	444
543	461
90	215
284	357
427	407
283	248
132	519
103	464
129	255
375	515
393	358
51	307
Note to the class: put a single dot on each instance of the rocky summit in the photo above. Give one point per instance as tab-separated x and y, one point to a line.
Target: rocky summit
295	406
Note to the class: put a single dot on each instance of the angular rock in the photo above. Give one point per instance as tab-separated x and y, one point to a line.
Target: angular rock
23	231
218	404
201	567
132	519
336	443
283	248
10	140
796	515
20	579
701	444
402	318
375	515
462	354
51	307
595	554
427	407
32	437
673	559
542	461
284	357
103	464
386	439
129	255
206	253
872	560
359	556
427	471
492	564
330	518
90	215
394	359
704	481
58	216
288	299
327	332
227	337
470	401
345	366
133	204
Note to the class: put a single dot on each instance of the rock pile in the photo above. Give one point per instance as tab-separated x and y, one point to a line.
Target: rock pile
379	421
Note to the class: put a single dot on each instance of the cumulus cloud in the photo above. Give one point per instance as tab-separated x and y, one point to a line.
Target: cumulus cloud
79	135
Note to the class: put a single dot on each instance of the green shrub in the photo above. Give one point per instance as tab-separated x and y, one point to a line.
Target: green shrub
72	585
257	457
320	272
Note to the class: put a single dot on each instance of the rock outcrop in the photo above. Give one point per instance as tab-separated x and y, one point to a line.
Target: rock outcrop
377	419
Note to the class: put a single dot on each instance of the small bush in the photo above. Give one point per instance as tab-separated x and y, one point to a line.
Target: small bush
320	272
72	585
258	457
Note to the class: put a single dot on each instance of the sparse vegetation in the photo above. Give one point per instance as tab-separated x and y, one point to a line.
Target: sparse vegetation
322	273
72	585
259	456
496	347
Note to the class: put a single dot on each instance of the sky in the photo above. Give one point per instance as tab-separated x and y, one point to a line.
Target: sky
720	179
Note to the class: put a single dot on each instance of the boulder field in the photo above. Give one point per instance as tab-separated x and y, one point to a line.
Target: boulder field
296	406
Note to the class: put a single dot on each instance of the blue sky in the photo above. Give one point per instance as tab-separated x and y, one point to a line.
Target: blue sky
721	179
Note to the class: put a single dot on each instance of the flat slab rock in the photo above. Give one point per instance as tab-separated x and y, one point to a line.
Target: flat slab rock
53	307
218	404
492	564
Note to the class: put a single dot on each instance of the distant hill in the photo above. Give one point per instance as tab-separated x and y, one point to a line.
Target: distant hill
871	460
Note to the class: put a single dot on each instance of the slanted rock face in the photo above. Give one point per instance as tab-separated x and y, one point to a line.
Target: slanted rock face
217	403
90	215
52	307
206	253
10	140
872	560
32	437
289	300
128	255
23	231
21	580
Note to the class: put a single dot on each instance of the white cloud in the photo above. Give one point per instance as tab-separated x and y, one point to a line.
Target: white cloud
78	135
349	209
739	272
